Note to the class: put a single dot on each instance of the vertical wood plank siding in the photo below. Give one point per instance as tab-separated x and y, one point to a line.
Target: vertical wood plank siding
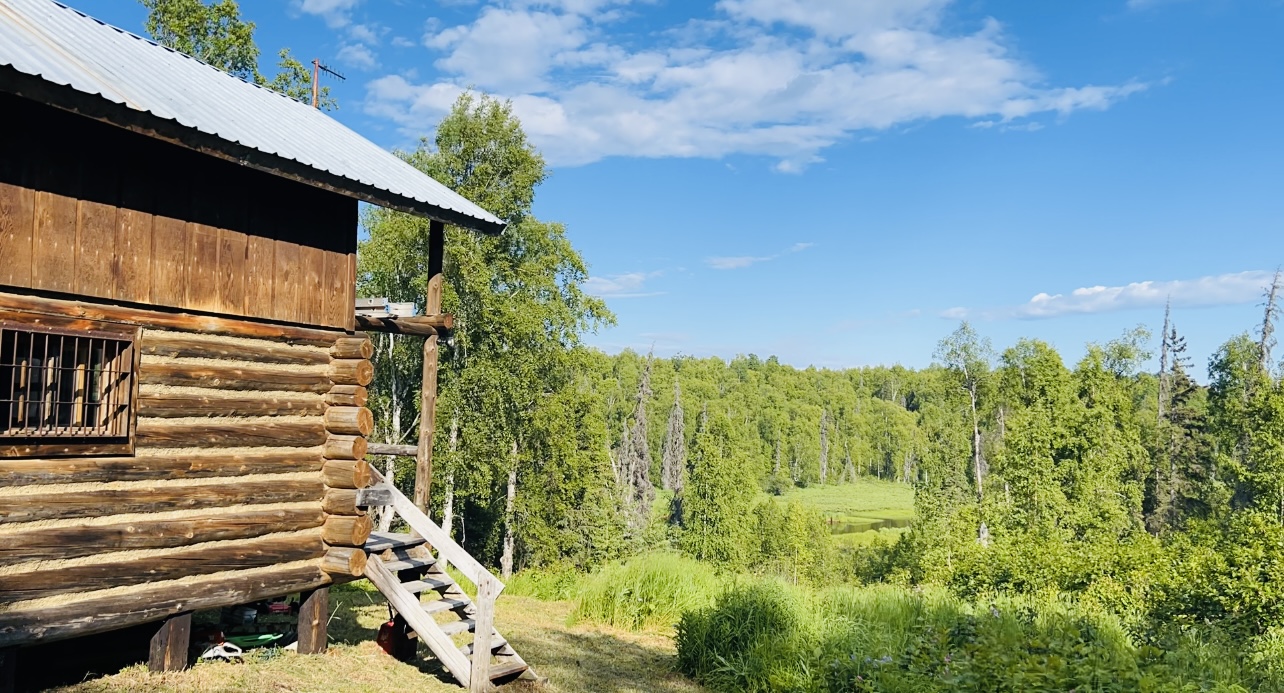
91	210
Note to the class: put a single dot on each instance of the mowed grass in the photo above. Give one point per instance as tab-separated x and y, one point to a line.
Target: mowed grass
574	659
871	499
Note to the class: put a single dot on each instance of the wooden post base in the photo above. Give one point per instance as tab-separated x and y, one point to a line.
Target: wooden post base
169	645
314	612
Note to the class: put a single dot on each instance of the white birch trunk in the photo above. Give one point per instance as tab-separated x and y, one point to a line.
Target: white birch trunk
506	559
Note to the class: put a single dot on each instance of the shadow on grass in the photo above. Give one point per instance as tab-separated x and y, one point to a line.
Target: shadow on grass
357	611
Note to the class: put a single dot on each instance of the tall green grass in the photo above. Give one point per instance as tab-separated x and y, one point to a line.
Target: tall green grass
550	584
770	636
650	591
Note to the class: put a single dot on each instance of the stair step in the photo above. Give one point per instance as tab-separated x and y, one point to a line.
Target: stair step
417	586
503	671
497	641
445	605
462	626
408	563
382	541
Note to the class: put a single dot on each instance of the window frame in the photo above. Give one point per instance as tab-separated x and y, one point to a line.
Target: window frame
78	445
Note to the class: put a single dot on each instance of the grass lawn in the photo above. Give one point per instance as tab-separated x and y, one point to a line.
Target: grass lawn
575	659
859	512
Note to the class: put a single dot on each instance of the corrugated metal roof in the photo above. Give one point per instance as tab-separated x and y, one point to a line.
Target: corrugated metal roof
63	46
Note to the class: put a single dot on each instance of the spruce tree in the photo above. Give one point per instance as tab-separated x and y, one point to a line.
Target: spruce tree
717	524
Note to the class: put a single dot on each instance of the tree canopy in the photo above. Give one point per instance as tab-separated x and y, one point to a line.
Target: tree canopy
216	34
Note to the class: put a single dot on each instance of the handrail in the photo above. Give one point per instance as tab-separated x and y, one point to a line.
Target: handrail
439	539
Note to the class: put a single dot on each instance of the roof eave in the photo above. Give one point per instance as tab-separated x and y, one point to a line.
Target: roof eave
67	98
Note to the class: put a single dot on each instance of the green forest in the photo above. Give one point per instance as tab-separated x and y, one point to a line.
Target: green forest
1101	525
1098	525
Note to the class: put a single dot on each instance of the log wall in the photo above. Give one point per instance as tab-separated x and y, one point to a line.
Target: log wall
248	450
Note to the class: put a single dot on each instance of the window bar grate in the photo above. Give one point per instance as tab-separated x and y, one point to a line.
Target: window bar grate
64	385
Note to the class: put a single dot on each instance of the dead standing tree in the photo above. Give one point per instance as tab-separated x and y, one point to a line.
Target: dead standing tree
1272	314
674	463
824	445
633	458
675	446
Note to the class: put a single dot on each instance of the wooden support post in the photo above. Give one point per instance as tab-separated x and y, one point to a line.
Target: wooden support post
8	668
169	645
484	626
314	612
428	401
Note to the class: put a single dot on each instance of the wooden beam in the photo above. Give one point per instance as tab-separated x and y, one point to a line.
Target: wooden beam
341	501
233	377
314	612
220	524
260	552
344	561
347	530
346	473
484	626
359	372
168	405
349	421
409	608
347	396
344	448
170	466
184	345
186	322
418	325
428	392
219	433
99	613
393	450
29	507
352	348
169	646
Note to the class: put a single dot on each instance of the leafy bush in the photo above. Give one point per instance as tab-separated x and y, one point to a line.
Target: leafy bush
648	591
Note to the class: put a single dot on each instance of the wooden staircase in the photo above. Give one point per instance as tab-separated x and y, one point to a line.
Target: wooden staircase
404	569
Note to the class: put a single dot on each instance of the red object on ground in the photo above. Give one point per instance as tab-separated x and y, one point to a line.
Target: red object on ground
394	638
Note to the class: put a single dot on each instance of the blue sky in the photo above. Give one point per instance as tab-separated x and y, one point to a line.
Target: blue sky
837	182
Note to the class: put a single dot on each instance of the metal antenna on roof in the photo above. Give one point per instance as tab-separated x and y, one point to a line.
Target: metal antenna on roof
317	69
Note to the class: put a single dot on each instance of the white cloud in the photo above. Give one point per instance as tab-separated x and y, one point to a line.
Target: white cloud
367	33
628	285
1215	290
508	50
742	261
336	13
1148	4
737	84
737	262
358	56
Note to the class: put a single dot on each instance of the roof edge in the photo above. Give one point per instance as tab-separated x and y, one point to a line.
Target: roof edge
93	106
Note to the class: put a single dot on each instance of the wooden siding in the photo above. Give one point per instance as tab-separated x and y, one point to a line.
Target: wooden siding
94	211
229	499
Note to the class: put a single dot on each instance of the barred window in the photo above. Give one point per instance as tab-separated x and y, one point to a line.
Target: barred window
64	385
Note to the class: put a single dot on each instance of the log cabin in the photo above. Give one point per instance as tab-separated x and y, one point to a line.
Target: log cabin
182	373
